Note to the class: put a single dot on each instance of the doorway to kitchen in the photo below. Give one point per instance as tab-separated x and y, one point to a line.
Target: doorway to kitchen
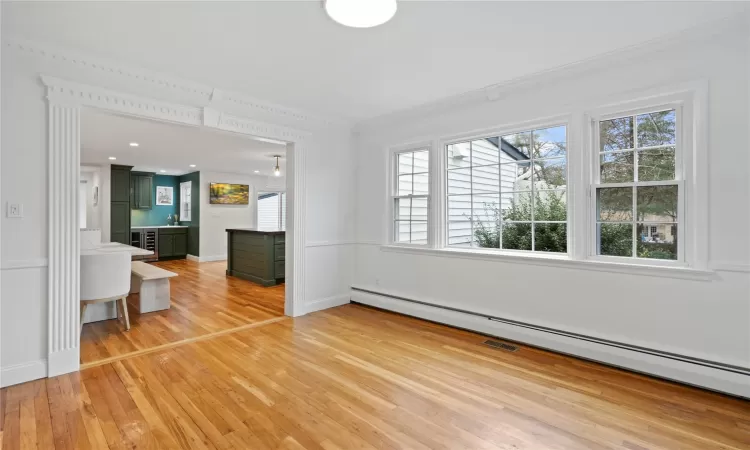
185	216
68	103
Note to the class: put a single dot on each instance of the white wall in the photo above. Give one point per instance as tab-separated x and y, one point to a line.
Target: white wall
23	179
215	219
92	175
704	319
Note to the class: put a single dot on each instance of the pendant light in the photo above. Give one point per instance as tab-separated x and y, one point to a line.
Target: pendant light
277	169
361	13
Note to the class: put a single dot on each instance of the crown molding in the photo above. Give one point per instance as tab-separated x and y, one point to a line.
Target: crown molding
66	92
242	125
71	93
199	94
616	58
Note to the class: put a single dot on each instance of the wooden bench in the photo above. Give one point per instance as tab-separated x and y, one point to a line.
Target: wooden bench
152	283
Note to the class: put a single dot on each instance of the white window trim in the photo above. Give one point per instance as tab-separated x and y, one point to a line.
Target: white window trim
693	98
691	165
442	181
393	153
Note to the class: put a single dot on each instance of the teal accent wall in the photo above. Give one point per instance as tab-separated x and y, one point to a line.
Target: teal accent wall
195	211
158	214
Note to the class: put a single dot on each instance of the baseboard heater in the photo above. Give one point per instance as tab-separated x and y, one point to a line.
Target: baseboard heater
621	345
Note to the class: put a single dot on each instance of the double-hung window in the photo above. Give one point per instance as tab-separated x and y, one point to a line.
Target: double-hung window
638	190
508	191
410	197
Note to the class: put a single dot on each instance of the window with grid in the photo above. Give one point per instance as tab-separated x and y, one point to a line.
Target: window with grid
638	190
186	189
509	192
411	197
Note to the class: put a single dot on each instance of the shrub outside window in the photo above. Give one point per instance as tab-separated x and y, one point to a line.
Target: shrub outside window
509	191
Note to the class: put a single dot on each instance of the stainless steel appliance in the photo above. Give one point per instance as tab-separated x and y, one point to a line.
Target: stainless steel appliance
147	239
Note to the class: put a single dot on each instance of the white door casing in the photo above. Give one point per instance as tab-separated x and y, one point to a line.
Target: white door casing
65	100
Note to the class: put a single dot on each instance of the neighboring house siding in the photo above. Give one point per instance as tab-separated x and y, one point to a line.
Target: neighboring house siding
478	172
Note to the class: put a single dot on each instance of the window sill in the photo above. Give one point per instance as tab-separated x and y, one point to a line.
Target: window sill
563	261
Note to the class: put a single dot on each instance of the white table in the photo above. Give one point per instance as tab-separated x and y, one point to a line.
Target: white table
109	247
106	311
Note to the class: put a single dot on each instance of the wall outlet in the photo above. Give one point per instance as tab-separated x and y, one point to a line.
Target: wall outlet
15	210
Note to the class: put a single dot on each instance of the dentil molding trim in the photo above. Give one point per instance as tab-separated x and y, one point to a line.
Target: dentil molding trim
66	92
206	95
238	124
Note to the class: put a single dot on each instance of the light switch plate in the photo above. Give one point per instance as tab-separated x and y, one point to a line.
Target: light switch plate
15	210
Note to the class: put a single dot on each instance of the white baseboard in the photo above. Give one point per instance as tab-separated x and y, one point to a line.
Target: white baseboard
63	361
680	371
193	258
21	373
212	258
325	303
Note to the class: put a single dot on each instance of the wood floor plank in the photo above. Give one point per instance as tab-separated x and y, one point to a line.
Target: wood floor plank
204	300
347	378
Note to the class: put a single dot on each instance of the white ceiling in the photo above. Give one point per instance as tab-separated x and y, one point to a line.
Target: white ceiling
170	147
290	53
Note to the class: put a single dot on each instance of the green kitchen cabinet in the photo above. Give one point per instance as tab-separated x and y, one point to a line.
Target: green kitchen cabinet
120	222
141	190
166	245
119	216
256	255
173	243
120	184
180	244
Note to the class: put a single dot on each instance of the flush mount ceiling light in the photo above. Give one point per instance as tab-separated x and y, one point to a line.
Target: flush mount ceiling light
112	158
134	144
361	13
192	165
256	171
163	171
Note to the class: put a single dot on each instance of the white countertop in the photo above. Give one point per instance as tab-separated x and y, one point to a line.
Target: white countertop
159	226
110	247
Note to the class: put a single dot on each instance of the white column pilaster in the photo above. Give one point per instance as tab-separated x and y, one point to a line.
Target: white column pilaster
64	253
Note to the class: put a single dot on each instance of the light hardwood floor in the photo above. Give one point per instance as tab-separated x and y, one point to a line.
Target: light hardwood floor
358	378
204	301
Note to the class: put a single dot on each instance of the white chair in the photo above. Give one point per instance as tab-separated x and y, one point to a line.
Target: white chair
105	277
91	238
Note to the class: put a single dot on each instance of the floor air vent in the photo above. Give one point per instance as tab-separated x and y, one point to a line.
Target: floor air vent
501	345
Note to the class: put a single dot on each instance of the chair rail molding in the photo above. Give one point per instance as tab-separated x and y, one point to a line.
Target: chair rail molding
65	99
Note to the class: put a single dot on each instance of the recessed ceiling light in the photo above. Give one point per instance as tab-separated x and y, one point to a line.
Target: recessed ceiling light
163	171
112	158
256	171
192	165
134	144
